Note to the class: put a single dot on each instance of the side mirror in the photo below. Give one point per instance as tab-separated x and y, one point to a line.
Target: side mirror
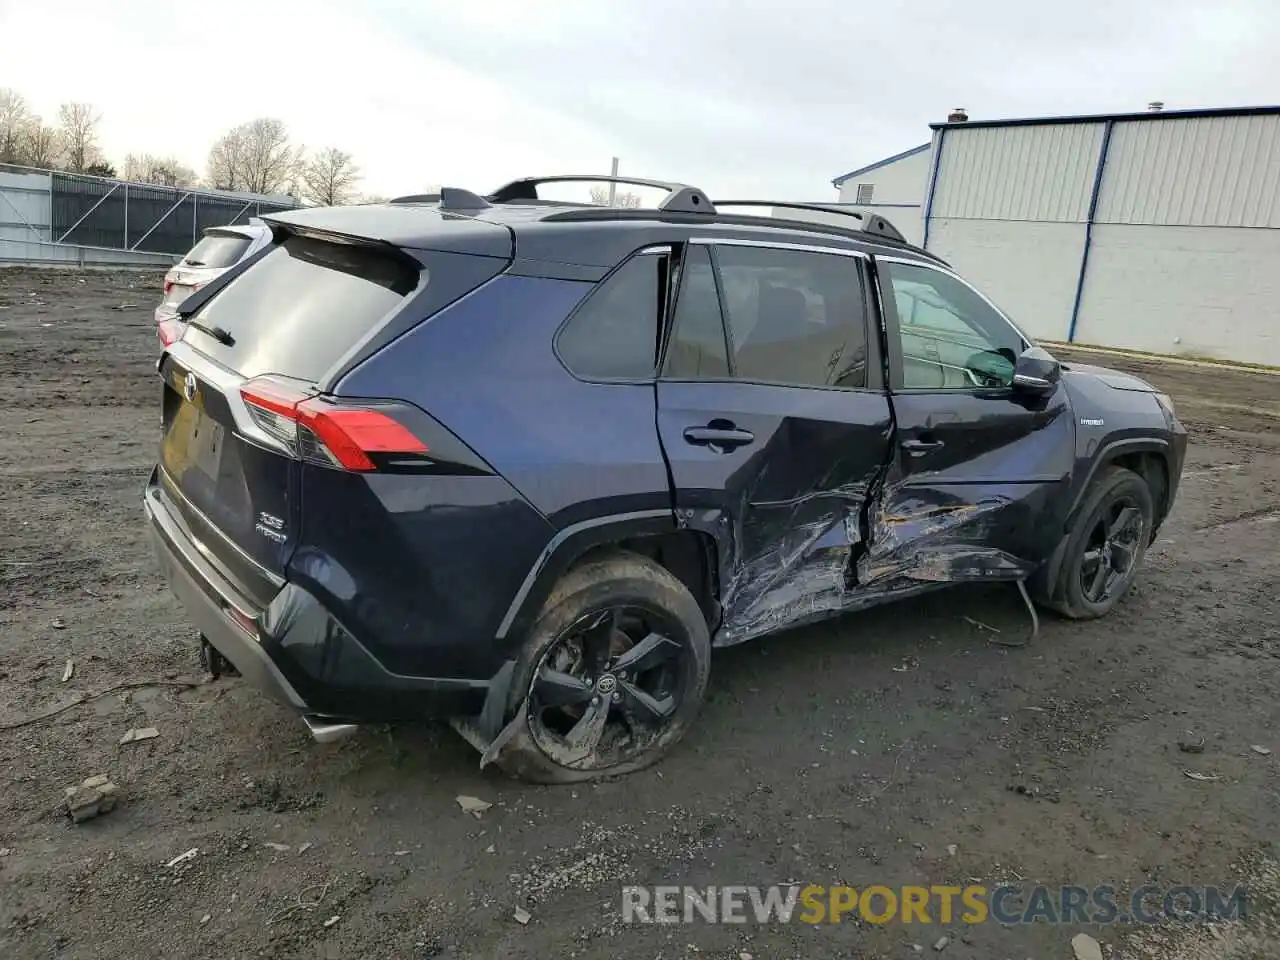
1036	372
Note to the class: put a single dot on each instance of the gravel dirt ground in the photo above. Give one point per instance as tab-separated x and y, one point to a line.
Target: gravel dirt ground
894	747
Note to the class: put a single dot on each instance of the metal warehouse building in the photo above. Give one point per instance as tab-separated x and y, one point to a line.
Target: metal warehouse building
1156	231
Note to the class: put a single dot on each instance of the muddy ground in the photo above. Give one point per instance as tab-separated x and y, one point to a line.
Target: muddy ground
856	752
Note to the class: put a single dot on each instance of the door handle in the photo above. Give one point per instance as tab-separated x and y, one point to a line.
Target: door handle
723	437
917	447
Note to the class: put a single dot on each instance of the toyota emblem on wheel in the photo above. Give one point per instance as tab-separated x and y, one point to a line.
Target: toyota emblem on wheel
189	387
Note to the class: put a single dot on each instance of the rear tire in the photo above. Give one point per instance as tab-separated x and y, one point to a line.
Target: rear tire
1105	548
612	675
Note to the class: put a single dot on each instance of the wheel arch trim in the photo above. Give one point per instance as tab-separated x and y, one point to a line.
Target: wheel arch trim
1108	453
569	544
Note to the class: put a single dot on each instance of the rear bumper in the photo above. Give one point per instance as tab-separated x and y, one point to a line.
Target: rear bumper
297	652
209	600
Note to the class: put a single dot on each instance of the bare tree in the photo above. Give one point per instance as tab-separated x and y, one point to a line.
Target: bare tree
79	123
256	156
15	119
623	198
329	178
42	146
166	171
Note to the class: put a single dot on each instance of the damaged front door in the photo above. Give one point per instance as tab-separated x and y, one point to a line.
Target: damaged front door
774	422
976	488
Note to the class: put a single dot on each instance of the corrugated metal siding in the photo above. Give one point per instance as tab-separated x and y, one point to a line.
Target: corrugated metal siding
1018	173
1206	171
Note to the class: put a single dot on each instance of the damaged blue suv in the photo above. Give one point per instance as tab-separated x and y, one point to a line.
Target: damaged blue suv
523	463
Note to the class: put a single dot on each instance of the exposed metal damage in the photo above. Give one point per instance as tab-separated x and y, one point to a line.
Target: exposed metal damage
824	564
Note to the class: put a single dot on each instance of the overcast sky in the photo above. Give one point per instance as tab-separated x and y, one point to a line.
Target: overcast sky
751	98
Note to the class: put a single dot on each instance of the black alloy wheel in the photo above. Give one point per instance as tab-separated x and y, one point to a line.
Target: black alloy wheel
608	687
1108	562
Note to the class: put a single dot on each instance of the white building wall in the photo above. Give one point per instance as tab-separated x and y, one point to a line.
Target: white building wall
898	193
1185	250
1028	269
1195	291
1186	243
1018	173
900	182
1009	212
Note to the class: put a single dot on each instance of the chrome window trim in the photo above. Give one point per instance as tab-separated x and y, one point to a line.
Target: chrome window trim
778	245
924	264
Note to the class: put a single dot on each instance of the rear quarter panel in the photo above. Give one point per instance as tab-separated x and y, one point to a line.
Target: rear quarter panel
487	370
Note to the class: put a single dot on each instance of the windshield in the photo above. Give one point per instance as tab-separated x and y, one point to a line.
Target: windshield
302	306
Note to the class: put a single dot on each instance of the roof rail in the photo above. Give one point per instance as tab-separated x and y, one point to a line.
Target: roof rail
870	222
680	198
416	198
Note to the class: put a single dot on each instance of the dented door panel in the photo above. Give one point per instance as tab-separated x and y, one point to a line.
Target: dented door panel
787	508
977	488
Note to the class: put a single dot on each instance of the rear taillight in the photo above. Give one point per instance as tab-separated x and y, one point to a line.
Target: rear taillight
168	285
170	331
334	435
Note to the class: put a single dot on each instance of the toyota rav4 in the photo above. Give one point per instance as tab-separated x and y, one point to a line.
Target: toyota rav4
523	463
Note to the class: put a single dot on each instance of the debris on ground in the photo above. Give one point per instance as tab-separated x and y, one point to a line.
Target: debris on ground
305	847
1085	947
68	671
205	919
473	805
982	626
941	944
1191	745
303	901
491	849
139	733
94	796
277	847
331	921
1260	750
1201	777
124	306
58	623
952	849
183	857
523	916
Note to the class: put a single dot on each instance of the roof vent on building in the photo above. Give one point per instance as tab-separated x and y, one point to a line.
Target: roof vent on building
1155	106
957	116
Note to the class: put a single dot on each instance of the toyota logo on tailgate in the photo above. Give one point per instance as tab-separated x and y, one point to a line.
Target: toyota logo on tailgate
189	387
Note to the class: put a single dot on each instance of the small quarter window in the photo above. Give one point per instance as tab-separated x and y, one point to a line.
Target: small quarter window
614	334
865	192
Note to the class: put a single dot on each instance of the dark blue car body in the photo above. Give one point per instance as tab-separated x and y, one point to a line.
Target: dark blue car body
406	589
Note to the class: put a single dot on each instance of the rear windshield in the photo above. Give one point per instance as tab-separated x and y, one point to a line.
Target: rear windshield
302	306
217	250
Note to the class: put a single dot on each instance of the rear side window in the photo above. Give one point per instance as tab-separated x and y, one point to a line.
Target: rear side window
300	308
794	316
614	334
217	250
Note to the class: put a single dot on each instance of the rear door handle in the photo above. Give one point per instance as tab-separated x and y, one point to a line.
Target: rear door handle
920	446
725	438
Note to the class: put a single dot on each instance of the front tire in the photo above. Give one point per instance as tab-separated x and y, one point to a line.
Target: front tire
612	675
1106	546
